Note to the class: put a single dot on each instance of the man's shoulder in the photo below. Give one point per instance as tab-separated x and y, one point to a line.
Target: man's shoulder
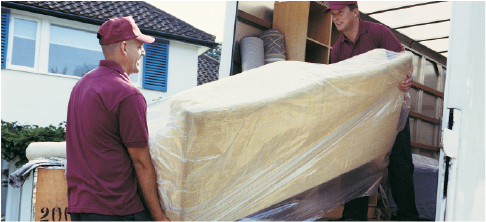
112	79
86	79
382	36
373	26
107	82
125	87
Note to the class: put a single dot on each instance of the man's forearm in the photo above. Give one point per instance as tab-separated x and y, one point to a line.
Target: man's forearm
148	185
146	178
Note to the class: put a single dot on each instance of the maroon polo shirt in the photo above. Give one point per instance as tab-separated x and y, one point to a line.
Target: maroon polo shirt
106	114
370	36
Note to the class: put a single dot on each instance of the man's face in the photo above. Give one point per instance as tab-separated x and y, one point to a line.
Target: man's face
342	18
135	52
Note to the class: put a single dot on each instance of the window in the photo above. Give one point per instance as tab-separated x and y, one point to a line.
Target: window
24	42
44	44
72	52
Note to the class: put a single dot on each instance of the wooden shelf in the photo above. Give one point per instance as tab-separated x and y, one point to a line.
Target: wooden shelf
316	52
320	23
255	21
313	41
307	30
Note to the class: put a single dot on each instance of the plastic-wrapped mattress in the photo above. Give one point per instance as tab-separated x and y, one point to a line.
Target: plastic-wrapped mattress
239	146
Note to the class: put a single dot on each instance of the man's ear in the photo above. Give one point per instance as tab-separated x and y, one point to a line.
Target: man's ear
124	47
356	12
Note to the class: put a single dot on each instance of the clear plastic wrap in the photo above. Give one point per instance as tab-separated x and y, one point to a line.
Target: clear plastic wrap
286	141
425	176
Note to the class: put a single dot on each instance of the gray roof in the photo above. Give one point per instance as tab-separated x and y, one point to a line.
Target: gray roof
208	69
151	20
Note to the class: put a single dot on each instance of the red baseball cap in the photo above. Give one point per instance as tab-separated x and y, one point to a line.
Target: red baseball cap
338	5
119	29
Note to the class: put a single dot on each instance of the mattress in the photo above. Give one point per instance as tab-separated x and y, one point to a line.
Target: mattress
231	148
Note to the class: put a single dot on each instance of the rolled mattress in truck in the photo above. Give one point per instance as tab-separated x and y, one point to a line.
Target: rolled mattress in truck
230	148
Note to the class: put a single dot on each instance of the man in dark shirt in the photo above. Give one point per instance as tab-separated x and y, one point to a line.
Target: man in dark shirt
359	37
107	136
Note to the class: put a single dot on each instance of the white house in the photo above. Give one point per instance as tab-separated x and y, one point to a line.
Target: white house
48	46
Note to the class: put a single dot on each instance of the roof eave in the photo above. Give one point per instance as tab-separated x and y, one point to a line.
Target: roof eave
94	21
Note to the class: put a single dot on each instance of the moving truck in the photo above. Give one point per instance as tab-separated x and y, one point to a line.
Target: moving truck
447	113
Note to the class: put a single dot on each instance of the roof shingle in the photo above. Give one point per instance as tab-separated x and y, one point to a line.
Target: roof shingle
208	69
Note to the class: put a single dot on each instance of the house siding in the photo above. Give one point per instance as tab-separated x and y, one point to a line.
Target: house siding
182	67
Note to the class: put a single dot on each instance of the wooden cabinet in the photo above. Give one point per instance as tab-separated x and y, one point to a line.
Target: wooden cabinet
309	32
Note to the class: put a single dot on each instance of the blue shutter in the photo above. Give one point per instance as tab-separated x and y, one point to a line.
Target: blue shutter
156	62
5	22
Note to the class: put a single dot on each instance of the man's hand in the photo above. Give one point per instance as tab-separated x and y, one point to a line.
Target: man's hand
147	181
405	85
165	220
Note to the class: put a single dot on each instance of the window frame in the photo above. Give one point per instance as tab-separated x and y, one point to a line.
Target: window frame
42	39
64	26
37	52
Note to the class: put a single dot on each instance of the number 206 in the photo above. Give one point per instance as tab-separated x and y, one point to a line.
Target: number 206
56	214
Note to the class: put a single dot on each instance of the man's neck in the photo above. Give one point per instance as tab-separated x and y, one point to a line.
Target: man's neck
352	32
118	60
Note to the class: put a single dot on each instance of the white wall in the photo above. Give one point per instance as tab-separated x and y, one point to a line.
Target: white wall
182	67
42	99
31	98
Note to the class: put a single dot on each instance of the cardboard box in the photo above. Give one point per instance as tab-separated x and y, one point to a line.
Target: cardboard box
50	203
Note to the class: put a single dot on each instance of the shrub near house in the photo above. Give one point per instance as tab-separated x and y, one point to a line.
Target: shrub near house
16	138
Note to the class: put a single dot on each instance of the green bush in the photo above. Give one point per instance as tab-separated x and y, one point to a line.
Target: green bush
16	138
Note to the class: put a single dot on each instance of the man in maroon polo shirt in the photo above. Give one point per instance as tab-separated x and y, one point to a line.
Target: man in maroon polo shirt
108	158
359	37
